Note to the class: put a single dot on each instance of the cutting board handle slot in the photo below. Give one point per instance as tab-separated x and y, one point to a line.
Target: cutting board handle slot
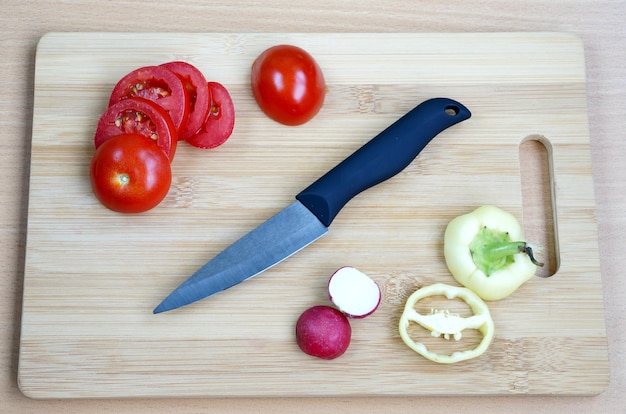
539	209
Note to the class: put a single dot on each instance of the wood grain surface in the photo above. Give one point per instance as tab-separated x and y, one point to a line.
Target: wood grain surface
599	25
93	276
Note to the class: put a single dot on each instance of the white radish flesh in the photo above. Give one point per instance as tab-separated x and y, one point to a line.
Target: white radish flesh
353	292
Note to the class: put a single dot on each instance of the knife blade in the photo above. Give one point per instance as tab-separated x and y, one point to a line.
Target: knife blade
308	218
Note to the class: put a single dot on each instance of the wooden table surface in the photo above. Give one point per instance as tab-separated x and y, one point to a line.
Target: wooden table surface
600	25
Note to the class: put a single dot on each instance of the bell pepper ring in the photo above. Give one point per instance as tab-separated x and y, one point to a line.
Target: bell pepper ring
443	323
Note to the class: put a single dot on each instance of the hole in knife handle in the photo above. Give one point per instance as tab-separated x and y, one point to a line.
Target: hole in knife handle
539	221
452	110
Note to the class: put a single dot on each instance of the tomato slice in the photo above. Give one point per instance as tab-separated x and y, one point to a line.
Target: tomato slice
156	84
138	116
220	121
198	94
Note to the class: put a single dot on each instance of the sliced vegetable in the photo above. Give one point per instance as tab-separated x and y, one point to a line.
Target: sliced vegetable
353	292
220	121
130	174
323	332
485	252
157	84
443	323
138	116
158	104
198	95
288	84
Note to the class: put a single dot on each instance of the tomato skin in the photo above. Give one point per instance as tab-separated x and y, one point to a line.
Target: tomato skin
157	84
288	84
219	122
154	123
198	94
130	174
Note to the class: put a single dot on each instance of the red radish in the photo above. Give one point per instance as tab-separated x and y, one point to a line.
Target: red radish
353	292
323	332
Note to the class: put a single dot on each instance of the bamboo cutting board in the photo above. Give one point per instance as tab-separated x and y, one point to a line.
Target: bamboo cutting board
92	277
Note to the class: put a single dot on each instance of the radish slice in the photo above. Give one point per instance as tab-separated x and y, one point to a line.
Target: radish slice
353	292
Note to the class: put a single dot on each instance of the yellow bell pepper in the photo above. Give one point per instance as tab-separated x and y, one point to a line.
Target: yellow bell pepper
485	252
443	323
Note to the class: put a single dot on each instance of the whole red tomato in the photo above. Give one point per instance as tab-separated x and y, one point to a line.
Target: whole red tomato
130	173
288	84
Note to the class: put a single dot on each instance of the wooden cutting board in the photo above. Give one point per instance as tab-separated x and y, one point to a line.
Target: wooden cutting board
92	277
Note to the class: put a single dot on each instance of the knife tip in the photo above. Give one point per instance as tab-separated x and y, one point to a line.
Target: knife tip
159	309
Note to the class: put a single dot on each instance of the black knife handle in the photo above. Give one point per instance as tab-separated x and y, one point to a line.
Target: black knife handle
382	157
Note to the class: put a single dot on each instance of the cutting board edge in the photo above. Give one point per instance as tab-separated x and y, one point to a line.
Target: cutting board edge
33	395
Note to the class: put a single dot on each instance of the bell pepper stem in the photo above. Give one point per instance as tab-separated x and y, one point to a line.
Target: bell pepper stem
529	251
493	250
492	256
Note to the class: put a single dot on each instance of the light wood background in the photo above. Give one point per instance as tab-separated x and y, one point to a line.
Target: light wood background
600	25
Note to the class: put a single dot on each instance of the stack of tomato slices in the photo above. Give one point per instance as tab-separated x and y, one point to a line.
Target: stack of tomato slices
163	105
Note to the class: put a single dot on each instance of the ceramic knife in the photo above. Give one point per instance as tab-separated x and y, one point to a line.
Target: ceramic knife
310	215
